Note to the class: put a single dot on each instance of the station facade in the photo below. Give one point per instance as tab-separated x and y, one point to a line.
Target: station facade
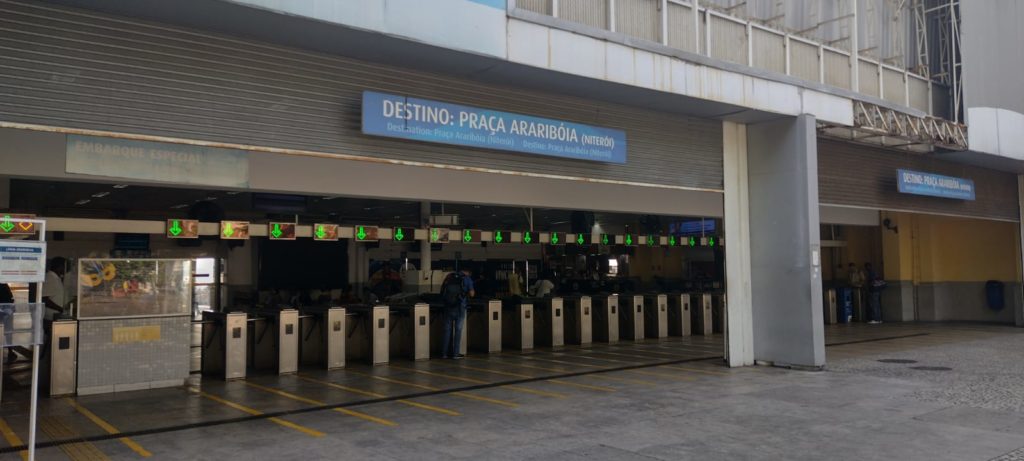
135	109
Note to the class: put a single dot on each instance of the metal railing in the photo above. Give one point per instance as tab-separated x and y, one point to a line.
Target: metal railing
678	24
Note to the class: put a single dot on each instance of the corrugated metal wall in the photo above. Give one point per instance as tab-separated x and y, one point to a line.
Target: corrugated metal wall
837	69
769	50
84	70
893	87
804	61
590	12
874	182
680	28
638	18
728	40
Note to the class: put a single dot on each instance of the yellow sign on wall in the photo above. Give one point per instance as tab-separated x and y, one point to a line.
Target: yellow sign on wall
146	333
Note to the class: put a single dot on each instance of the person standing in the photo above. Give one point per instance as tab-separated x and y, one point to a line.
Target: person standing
543	286
54	296
875	285
455	292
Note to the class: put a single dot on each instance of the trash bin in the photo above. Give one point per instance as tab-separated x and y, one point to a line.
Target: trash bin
994	295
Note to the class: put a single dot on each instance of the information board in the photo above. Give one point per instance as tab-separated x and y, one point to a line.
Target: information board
22	262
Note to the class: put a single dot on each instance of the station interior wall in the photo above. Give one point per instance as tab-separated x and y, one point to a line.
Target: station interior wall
937	267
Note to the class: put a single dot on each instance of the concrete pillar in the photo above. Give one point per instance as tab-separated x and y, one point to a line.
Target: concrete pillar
740	325
785	246
425	253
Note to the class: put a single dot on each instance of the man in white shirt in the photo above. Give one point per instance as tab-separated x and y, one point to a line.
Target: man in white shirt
543	287
54	295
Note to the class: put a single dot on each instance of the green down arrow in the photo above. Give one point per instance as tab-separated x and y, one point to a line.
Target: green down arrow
228	230
361	234
175	228
399	235
7	225
554	238
276	231
467	236
320	232
527	238
497	237
579	239
435	235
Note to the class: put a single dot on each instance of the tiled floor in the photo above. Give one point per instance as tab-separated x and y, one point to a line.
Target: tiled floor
667	399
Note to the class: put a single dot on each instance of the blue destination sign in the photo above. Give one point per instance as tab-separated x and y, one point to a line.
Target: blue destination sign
915	182
432	121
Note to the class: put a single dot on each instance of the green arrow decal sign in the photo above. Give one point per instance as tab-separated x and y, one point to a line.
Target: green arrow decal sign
554	238
228	230
320	232
604	239
711	241
467	236
629	239
527	238
435	235
579	239
175	228
672	241
276	231
399	235
361	233
693	242
498	238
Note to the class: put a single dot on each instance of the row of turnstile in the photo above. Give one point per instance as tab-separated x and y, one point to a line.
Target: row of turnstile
282	340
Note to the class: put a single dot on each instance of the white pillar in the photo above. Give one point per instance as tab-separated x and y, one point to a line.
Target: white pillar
737	253
425	253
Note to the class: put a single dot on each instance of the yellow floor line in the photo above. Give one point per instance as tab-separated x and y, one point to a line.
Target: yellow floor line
524	390
582	386
56	429
109	428
297	398
466	395
585	365
245	409
410	403
661	375
624	380
12	438
695	370
497	372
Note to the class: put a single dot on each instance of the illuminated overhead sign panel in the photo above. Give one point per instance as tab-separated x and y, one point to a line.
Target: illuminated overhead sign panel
934	185
530	237
629	239
469	236
607	239
403	234
16	225
500	237
556	238
281	231
182	229
234	230
437	235
581	239
365	233
398	116
325	232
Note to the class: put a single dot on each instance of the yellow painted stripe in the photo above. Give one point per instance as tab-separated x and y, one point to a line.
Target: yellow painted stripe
623	380
245	409
585	365
58	430
502	373
661	375
442	375
694	370
466	395
289	395
12	438
582	386
410	403
528	390
109	428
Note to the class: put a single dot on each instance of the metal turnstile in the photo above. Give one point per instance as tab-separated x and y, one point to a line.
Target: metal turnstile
578	320
703	322
549	322
858	305
368	334
606	318
274	341
225	344
437	339
631	317
719	308
410	331
831	313
483	325
323	337
517	325
64	357
656	316
679	320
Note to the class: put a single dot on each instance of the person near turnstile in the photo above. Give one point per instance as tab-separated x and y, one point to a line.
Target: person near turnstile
875	286
543	286
54	296
455	292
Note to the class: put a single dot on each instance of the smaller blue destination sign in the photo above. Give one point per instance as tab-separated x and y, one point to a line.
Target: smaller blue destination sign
433	121
934	185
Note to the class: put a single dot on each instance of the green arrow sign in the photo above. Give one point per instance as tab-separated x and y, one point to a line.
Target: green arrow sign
228	230
7	225
650	240
629	239
276	231
175	228
320	232
527	238
399	235
579	239
435	235
711	241
467	236
672	241
361	233
693	242
554	238
604	239
498	238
